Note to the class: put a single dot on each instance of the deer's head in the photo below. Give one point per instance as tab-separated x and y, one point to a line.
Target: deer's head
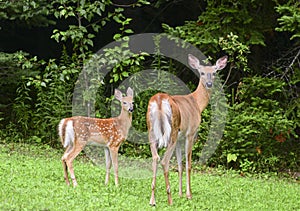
127	101
207	73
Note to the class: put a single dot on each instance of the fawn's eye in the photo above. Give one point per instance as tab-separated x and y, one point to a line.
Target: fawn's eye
202	73
214	74
124	103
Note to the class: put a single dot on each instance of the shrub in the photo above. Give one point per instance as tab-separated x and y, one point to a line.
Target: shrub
258	135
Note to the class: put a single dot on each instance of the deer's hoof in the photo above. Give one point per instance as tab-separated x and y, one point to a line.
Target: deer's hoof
152	202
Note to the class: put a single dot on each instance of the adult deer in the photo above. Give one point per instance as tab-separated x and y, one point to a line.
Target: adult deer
168	116
75	132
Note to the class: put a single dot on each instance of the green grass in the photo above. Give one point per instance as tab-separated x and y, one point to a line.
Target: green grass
31	178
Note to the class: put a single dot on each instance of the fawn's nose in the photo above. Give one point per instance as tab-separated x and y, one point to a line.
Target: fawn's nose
130	109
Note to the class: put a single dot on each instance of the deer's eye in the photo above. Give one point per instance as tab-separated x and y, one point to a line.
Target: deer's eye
202	73
214	74
124	103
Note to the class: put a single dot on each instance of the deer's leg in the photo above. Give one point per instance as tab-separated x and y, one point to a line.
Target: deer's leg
179	162
108	164
114	158
155	159
166	162
189	147
69	160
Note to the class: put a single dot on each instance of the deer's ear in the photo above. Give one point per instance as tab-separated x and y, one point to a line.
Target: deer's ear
129	92
193	61
118	94
221	63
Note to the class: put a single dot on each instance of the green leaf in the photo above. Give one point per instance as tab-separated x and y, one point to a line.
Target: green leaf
43	84
116	77
129	31
117	19
231	157
117	36
125	74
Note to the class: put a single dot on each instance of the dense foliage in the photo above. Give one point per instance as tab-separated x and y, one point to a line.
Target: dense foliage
261	83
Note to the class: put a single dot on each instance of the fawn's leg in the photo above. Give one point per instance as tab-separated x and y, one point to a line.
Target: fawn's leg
108	164
69	160
65	168
114	158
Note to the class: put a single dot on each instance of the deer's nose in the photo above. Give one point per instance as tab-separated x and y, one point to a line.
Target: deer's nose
209	84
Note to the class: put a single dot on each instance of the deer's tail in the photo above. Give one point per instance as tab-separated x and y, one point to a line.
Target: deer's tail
66	132
160	120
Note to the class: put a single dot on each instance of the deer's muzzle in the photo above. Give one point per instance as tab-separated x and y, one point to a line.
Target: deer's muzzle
130	110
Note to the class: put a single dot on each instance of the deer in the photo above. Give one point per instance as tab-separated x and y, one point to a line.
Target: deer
169	116
75	132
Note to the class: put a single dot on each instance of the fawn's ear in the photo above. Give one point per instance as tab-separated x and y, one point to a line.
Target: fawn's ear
193	62
129	92
221	63
118	94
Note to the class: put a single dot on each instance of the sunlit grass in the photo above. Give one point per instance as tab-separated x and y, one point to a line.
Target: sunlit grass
31	178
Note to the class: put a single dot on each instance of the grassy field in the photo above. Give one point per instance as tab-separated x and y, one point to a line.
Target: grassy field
31	178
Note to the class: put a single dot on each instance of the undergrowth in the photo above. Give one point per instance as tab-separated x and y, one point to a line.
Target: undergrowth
32	179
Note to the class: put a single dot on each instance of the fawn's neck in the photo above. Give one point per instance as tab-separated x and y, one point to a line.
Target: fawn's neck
124	121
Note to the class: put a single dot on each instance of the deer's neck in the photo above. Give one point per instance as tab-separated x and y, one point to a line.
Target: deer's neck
201	95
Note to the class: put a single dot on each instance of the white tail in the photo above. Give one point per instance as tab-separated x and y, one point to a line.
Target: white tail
167	115
160	118
76	132
66	132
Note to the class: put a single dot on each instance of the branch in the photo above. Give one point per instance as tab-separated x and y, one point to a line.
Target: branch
294	59
124	5
292	63
231	67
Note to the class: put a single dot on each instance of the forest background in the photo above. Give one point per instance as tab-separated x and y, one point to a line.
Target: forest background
45	44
